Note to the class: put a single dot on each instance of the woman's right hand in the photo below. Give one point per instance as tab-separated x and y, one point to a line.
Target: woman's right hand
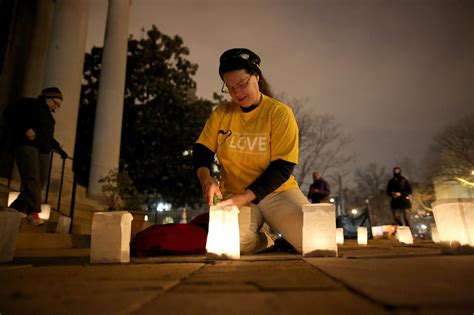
209	185
30	134
209	189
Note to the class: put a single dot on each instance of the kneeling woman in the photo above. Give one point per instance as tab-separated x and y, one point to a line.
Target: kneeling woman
255	138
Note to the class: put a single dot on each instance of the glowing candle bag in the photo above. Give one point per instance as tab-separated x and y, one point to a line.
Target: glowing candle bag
9	226
12	195
404	235
377	231
64	223
362	235
110	239
45	211
223	238
340	236
455	223
434	233
319	230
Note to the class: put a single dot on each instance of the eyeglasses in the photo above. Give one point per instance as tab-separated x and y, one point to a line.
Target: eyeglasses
239	87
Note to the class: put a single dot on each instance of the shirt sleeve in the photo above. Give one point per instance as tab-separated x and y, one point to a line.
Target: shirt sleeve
202	157
273	177
284	135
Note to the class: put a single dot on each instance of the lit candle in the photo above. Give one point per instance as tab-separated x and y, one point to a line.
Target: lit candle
12	195
362	235
319	230
455	224
404	235
45	212
223	238
340	236
434	233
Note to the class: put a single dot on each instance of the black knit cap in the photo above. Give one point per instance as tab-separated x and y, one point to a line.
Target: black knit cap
237	59
52	92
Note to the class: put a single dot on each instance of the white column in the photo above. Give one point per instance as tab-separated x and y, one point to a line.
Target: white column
35	65
109	112
65	63
63	68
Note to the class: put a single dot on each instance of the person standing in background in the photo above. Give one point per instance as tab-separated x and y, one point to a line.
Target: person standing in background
319	190
399	190
30	125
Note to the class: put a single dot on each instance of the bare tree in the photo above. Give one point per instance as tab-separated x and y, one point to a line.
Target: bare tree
370	180
452	151
322	145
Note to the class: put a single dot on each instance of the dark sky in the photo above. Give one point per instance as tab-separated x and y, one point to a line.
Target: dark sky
392	72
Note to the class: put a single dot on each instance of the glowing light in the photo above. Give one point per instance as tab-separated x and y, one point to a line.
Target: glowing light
404	235
377	231
465	182
163	207
332	200
319	230
146	218
424	227
12	197
223	238
354	211
168	220
45	212
434	233
340	236
362	235
455	223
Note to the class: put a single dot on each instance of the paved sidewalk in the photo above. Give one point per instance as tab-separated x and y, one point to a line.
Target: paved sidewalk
381	278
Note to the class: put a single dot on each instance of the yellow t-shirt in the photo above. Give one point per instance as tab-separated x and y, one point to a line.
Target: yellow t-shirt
246	143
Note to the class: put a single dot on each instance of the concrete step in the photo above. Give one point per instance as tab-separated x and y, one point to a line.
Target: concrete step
26	240
84	209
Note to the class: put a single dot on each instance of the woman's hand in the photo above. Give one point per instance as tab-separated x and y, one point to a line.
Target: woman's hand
239	200
209	185
209	189
396	194
30	134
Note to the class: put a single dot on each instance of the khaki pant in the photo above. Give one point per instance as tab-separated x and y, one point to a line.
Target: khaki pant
283	213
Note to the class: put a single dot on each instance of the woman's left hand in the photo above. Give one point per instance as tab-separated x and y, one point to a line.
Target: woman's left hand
238	200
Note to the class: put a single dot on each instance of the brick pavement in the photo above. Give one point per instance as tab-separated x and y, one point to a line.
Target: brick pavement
381	278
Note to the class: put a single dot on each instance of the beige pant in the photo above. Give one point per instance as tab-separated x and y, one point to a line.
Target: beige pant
283	213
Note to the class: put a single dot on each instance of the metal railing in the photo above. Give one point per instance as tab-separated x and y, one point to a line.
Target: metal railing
60	191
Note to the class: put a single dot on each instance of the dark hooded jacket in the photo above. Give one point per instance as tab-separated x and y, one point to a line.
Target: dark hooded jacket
31	113
400	184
